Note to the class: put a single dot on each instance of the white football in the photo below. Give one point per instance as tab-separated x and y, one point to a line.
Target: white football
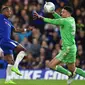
49	7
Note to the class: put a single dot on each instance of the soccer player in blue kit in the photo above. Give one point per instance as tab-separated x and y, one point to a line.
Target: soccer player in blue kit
8	45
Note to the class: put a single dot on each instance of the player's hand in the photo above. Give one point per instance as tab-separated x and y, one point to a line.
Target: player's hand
1	53
37	16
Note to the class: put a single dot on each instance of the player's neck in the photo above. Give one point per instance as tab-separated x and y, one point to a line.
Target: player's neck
5	15
68	16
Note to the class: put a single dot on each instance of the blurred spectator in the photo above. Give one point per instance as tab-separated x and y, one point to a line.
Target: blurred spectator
80	56
81	39
26	44
35	48
23	35
36	33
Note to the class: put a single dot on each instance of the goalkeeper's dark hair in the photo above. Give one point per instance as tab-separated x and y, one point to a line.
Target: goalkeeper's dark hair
69	9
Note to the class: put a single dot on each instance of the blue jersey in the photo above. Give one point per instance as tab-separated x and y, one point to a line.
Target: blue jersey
6	43
5	27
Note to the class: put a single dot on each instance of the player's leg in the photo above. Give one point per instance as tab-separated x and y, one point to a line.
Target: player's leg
72	68
80	72
53	64
8	56
10	61
74	71
21	53
7	47
13	45
71	60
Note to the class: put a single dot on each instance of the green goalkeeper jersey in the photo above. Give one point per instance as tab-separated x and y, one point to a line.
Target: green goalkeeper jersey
67	28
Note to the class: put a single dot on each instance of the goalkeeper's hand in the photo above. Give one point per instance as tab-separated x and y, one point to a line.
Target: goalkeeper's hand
37	16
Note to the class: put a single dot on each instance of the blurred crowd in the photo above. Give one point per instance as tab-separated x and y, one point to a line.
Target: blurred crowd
44	41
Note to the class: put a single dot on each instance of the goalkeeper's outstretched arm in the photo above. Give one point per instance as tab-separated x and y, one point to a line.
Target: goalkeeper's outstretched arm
59	21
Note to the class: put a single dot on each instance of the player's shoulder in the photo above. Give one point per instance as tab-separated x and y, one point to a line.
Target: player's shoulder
69	19
1	16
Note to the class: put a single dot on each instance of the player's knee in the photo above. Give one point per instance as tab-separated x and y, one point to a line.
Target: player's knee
72	69
10	62
50	65
20	48
47	63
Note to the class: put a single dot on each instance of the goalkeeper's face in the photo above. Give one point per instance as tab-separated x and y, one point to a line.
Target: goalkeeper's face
65	13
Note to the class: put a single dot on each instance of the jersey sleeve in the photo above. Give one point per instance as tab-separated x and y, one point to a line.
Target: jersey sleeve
59	21
12	26
56	15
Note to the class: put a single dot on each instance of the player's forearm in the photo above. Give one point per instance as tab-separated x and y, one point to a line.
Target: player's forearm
51	21
56	15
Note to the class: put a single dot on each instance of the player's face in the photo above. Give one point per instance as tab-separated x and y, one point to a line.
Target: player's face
8	12
64	13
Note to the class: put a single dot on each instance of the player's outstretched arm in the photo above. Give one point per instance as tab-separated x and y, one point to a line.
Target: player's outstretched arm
54	21
48	20
37	16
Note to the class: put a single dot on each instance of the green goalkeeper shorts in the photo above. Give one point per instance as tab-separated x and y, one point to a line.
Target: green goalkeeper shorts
67	54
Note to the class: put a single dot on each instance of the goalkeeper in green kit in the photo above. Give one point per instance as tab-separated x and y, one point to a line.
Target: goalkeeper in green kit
68	52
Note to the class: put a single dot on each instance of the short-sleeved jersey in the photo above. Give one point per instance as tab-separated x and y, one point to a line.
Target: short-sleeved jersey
67	29
6	43
5	27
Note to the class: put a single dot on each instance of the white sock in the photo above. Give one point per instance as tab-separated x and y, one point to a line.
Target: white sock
8	72
20	56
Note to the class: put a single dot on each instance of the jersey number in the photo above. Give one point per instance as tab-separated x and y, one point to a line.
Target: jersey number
73	29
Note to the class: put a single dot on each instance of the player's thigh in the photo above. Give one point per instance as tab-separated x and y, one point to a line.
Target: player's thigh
61	55
9	44
71	56
19	48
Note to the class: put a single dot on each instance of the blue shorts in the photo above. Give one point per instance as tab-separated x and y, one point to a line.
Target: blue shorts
8	46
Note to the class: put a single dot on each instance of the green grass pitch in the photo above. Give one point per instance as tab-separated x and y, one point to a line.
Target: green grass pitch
44	82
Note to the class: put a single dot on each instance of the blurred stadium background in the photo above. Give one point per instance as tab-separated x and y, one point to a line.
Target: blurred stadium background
43	42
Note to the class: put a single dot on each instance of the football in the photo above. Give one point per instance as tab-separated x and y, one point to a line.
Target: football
49	7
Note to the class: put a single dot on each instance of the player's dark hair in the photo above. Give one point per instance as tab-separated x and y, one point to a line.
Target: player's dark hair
69	9
5	8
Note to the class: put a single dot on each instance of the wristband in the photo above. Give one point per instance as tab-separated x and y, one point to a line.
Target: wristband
25	30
